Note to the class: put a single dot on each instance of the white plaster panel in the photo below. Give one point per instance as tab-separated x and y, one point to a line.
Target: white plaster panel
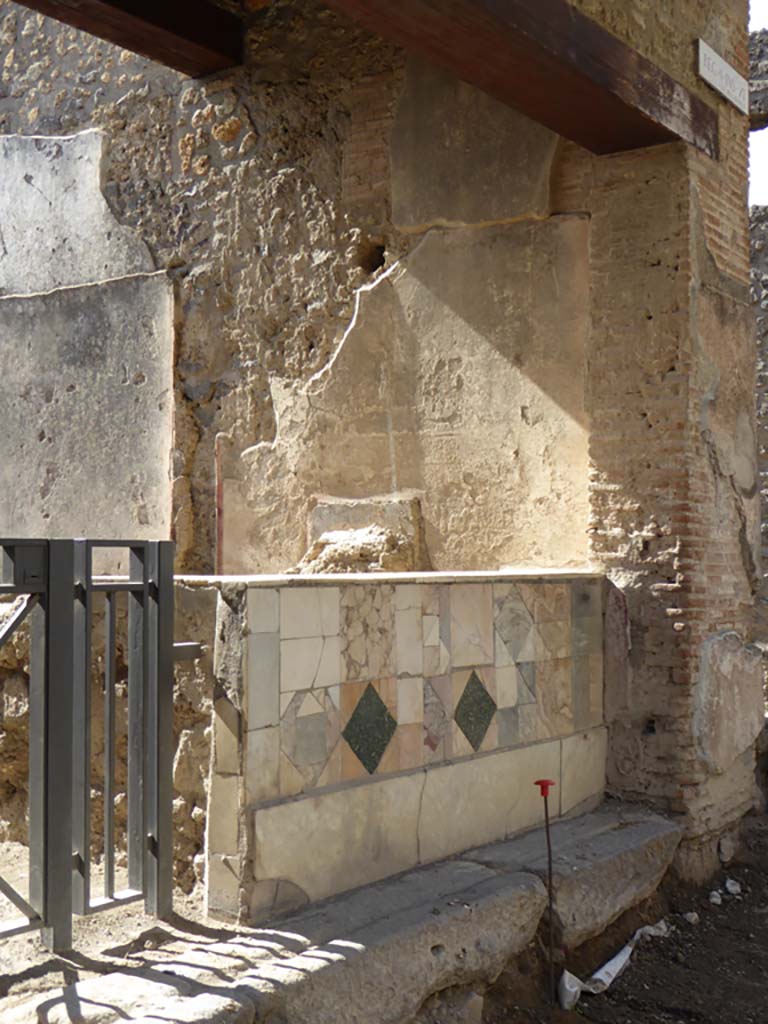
56	228
86	388
263	610
481	800
365	833
584	764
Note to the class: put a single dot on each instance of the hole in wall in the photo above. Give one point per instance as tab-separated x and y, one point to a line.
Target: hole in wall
649	729
371	255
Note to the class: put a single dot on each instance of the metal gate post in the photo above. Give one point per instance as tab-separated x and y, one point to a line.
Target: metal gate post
59	652
158	787
81	735
138	662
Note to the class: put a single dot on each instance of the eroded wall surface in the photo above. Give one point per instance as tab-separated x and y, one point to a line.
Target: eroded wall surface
271	195
460	377
461	380
86	353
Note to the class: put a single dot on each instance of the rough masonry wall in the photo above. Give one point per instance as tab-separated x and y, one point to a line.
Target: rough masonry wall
268	193
460	378
271	195
235	187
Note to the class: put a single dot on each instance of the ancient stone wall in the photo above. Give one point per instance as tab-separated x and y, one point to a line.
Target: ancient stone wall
86	377
271	195
362	309
233	186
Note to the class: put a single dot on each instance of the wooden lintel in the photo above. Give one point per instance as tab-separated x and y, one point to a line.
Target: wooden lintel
550	62
193	36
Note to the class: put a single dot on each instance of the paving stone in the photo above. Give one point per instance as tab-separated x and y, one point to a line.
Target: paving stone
202	1009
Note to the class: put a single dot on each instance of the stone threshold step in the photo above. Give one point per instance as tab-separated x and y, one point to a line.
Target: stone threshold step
373	956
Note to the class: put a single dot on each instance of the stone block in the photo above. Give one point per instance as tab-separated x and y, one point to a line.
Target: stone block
398	516
584	762
52	191
377	954
487	162
471	614
262	777
309	611
409	642
86	387
223	814
729	701
483	799
222	884
226	737
310	662
604	863
263	610
358	835
263	653
454	1006
206	1008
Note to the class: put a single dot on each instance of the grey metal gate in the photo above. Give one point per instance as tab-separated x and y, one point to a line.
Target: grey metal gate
57	583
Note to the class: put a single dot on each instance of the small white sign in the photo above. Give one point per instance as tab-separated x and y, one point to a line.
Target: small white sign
723	77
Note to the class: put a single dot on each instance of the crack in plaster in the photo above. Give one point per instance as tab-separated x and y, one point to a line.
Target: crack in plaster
418	818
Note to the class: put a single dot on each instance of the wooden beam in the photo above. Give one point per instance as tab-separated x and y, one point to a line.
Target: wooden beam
550	62
193	36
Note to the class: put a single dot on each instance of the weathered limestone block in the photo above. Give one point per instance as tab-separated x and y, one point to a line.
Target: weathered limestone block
604	863
56	228
456	380
365	549
379	953
729	700
206	1008
383	533
460	157
455	1006
714	809
359	835
86	387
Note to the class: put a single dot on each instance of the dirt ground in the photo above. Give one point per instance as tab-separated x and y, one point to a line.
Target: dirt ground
713	972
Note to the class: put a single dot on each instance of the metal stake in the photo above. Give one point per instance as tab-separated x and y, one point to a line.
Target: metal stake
545	785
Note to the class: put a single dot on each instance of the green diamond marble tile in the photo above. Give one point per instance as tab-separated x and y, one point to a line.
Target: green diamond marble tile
474	711
369	729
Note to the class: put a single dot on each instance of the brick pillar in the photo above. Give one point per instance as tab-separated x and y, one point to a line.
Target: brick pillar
674	517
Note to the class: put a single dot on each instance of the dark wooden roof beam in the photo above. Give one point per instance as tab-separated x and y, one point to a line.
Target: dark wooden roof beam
193	36
552	63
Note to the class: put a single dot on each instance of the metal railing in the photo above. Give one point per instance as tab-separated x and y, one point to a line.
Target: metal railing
57	583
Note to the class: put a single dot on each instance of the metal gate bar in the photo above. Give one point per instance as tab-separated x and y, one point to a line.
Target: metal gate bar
57	578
